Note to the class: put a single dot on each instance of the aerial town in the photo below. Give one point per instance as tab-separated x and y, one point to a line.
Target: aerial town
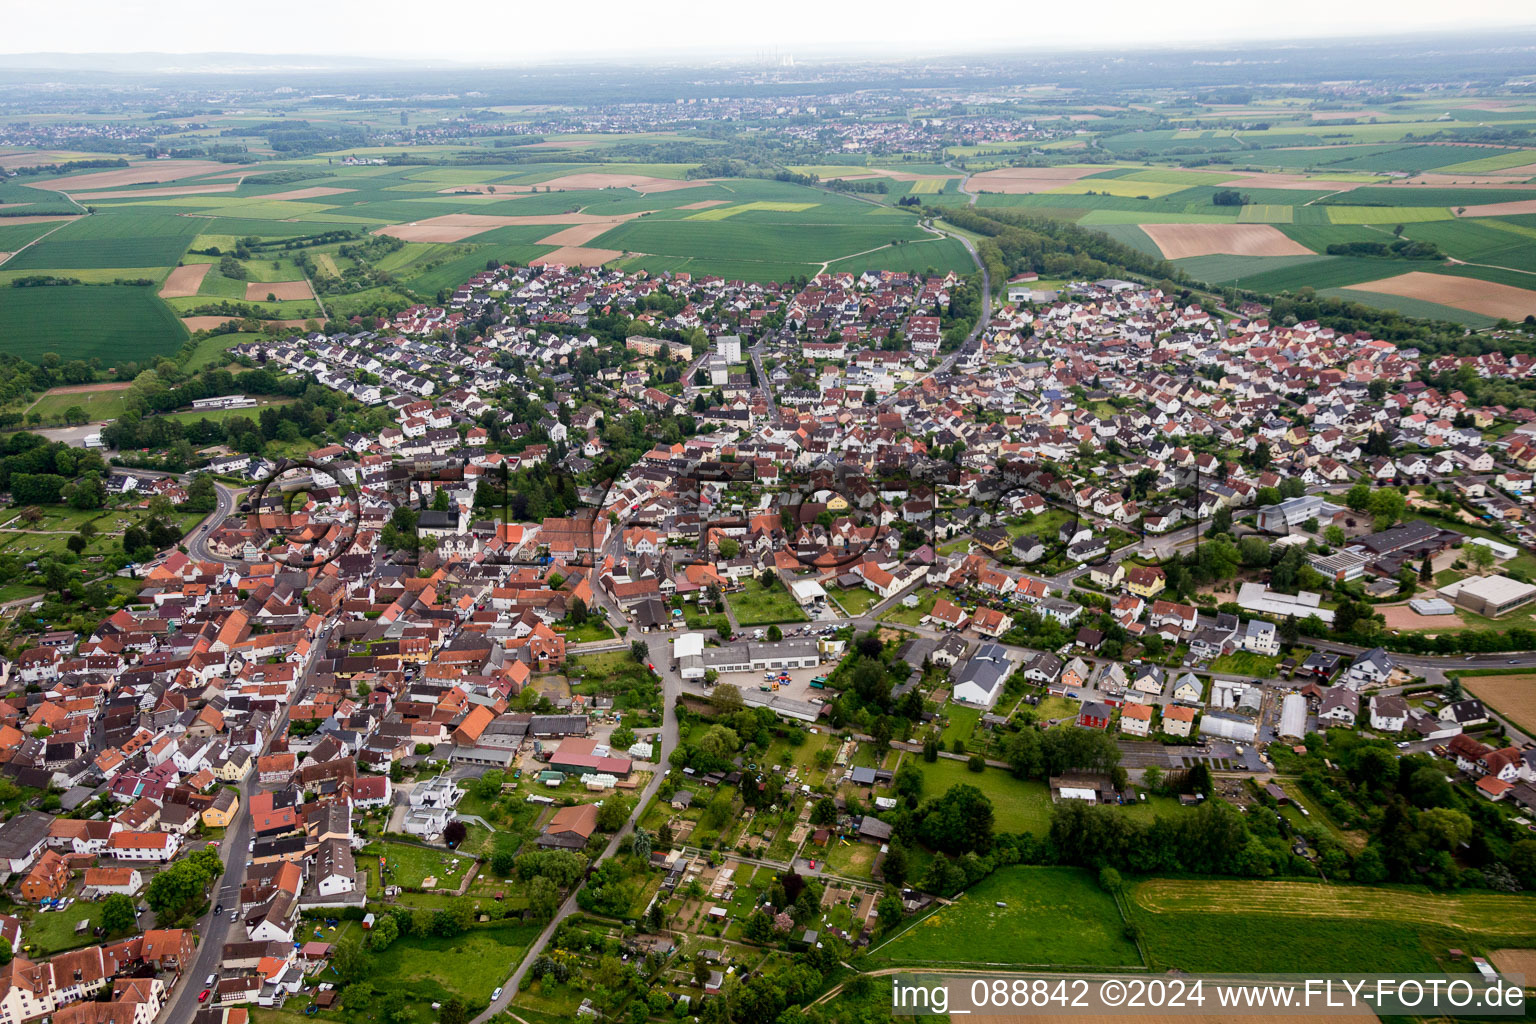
590	638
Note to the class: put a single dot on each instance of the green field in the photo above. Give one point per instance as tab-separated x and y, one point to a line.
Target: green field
1386	214
14	236
1245	663
210	351
112	238
98	405
109	322
1201	925
754	606
1017	805
1052	917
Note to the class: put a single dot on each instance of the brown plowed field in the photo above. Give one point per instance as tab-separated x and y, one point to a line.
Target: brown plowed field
579	256
184	281
313	192
140	173
1026	180
1513	696
455	227
1178	241
1485	297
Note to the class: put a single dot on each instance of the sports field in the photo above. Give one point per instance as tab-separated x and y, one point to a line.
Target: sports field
99	401
1019	916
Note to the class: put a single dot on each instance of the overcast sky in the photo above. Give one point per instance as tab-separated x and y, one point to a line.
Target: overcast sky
518	32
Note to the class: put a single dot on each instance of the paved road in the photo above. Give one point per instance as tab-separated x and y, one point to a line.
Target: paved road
762	382
197	544
982	319
213	932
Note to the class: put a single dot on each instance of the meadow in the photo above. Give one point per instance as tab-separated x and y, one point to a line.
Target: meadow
1017	805
1016	917
1200	925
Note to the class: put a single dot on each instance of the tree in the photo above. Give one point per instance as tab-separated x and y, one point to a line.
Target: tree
117	914
775	634
1387	505
1110	881
824	812
614	813
959	821
1334	535
976	763
726	697
454	833
908	782
1481	557
639	651
895	865
385	931
350	960
543	897
1358	497
453	1012
577	612
729	547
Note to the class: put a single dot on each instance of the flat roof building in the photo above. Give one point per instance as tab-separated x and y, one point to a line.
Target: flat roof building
1491	595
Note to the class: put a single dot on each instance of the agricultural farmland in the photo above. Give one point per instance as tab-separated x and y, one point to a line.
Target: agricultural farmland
1201	925
645	215
1513	696
109	322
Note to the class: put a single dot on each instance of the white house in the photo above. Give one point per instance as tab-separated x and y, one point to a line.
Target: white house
1389	713
1372	667
1261	637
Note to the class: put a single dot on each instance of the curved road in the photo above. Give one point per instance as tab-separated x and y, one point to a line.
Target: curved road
197	542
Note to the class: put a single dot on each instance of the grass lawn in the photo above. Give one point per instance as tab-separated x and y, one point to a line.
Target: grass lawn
1245	663
1054	708
592	629
962	722
911	616
1018	805
408	865
429	970
756	606
46	934
854	602
1055	917
851	860
97	405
